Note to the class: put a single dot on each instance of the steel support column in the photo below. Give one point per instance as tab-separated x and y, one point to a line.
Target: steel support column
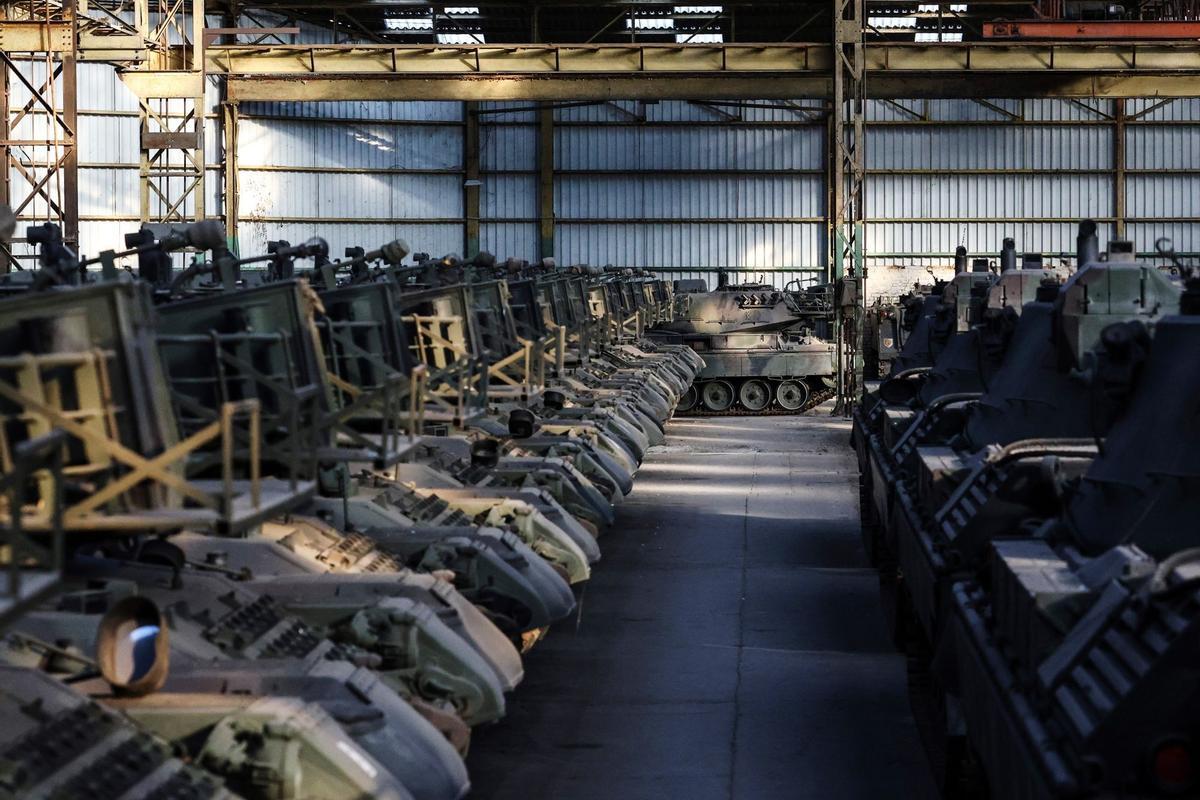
471	180
70	153
846	197
1118	168
6	263
546	182
38	137
230	120
171	100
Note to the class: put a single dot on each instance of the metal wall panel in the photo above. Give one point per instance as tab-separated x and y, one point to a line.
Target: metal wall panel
999	147
687	244
351	164
365	145
674	185
395	110
944	173
693	148
507	146
921	244
510	240
696	186
509	197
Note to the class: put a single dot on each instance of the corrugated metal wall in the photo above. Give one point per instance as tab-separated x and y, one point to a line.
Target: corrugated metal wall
945	173
690	188
508	197
1162	152
670	185
682	187
359	173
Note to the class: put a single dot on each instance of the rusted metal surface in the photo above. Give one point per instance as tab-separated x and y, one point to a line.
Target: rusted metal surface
1100	30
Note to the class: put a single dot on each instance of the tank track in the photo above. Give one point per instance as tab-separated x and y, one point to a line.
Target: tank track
814	399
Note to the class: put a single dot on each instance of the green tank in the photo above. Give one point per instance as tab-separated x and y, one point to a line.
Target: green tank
765	351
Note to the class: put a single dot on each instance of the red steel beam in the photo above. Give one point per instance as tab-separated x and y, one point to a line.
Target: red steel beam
1107	30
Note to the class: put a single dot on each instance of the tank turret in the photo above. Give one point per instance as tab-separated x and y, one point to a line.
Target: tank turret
766	349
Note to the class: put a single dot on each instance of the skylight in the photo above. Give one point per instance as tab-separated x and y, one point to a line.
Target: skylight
688	24
442	27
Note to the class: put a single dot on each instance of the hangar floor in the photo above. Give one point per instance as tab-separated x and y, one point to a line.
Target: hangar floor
729	644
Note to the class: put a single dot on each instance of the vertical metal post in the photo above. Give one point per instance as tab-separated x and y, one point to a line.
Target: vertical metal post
143	161
5	189
1119	119
471	181
46	157
69	174
846	210
546	181
171	100
230	118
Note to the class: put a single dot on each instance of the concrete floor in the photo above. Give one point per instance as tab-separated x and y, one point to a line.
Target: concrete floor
729	643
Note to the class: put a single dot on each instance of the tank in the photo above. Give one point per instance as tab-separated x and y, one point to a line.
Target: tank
291	533
889	326
765	351
1030	527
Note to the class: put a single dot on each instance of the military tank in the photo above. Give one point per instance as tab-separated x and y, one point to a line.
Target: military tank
766	351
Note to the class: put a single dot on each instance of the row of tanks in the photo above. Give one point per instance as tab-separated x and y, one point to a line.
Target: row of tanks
766	350
283	526
1028	473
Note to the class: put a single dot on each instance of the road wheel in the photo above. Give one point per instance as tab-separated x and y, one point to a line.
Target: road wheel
717	395
689	399
755	395
792	395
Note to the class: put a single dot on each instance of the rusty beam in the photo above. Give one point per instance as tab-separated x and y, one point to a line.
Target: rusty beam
70	163
1107	30
36	36
702	72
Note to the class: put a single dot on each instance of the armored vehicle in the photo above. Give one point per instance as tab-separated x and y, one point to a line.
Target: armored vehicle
1025	503
338	500
765	351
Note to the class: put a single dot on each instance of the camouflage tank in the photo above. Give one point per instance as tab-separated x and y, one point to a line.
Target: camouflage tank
765	351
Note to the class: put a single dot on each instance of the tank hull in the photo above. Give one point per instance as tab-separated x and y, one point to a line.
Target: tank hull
759	373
